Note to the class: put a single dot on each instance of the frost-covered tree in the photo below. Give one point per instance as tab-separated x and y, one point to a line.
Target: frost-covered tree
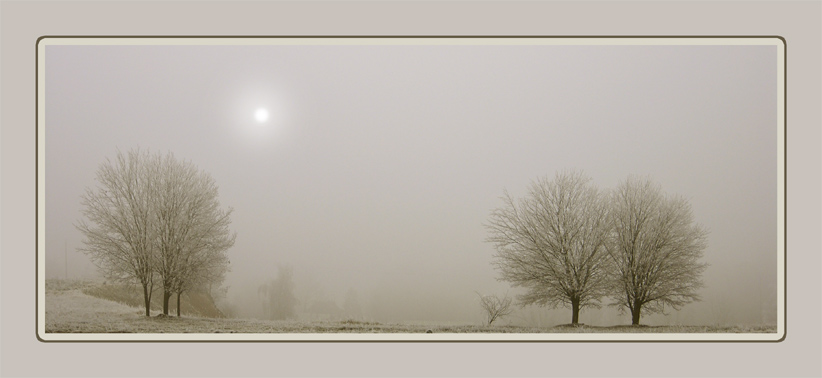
552	242
153	219
656	249
192	230
119	236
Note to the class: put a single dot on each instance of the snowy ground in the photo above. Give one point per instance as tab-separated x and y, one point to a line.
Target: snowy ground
68	309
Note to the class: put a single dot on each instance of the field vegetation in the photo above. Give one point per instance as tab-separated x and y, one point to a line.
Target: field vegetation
93	307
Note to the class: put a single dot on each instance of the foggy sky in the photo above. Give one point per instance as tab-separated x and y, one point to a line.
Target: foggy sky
380	164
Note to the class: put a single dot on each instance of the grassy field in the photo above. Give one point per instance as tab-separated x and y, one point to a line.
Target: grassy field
71	309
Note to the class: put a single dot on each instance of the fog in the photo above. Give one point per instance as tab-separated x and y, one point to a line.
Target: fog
379	165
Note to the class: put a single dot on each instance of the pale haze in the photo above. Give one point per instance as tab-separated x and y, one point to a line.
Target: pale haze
375	168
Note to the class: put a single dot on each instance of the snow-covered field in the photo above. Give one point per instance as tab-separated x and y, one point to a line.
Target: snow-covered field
69	309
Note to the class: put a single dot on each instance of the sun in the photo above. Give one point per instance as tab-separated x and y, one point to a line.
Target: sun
261	115
258	116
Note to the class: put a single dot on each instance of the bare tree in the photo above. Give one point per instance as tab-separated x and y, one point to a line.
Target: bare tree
495	307
153	218
655	247
192	231
119	237
552	242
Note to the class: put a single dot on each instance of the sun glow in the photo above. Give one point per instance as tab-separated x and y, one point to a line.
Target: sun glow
261	115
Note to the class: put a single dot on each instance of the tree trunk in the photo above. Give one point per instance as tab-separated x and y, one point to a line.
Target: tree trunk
150	295
147	299
178	305
166	296
574	311
635	313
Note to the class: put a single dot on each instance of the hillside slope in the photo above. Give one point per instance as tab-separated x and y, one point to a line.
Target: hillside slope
192	304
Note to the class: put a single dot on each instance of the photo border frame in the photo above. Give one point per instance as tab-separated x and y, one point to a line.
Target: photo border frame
778	41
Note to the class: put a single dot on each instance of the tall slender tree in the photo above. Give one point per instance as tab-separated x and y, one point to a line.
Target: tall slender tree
656	249
552	242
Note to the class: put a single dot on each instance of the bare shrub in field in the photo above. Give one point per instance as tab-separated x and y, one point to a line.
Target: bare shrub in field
494	307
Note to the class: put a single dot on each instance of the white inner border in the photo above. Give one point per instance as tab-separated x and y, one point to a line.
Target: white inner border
321	41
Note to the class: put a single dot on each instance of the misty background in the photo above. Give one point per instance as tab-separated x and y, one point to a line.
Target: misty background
379	165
